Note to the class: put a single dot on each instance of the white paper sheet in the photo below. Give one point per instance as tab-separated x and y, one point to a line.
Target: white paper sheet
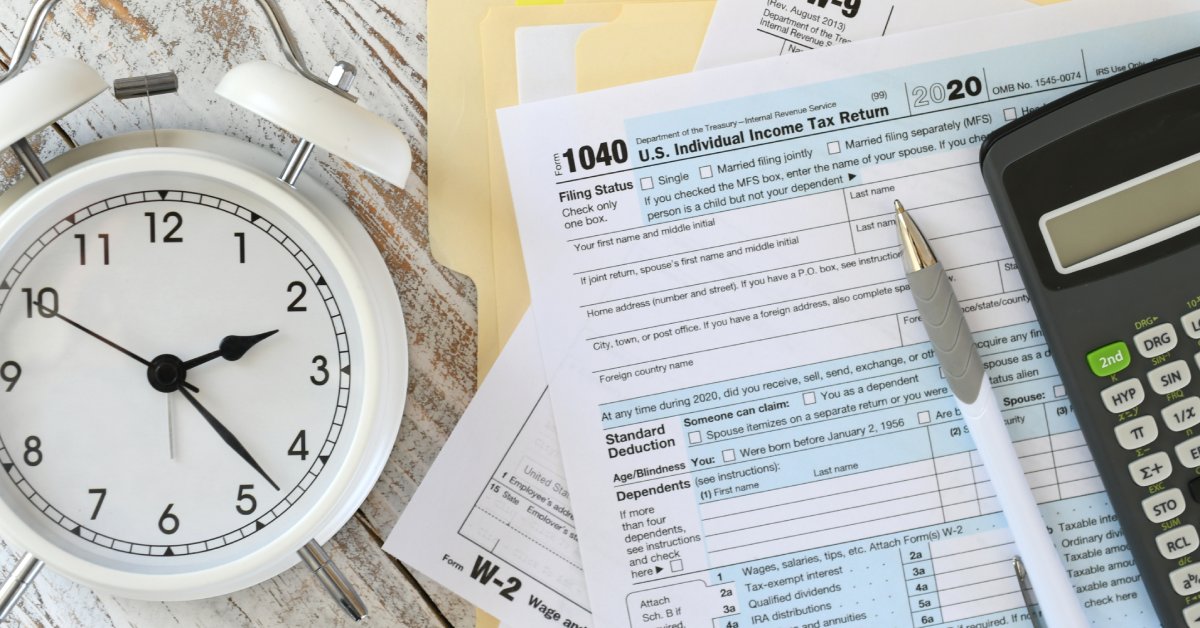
433	528
746	30
754	428
492	519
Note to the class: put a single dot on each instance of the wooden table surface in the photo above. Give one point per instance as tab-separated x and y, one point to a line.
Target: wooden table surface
200	40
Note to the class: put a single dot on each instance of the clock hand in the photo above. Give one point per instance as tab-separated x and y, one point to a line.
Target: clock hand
170	426
232	349
167	372
91	333
171	429
97	336
227	436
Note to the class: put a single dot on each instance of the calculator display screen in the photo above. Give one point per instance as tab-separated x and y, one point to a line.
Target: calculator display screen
1125	218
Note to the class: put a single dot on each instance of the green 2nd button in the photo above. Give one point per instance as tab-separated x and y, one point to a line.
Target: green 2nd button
1109	359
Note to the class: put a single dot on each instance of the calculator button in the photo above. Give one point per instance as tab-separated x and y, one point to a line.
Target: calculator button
1188	452
1156	341
1170	377
1191	616
1150	470
1137	433
1182	415
1186	581
1109	359
1164	505
1178	542
1124	396
1191	324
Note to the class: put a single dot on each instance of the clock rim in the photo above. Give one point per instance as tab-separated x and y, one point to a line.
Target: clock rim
368	283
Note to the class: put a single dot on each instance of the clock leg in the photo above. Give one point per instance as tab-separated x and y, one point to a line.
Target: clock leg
331	577
10	593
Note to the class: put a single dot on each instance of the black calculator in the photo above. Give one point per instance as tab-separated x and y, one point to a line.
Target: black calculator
1099	196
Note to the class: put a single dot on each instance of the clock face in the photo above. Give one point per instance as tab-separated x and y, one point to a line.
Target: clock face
176	360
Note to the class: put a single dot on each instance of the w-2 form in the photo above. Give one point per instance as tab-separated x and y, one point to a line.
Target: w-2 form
753	424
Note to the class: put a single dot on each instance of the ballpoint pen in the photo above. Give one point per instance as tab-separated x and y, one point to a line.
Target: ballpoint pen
947	328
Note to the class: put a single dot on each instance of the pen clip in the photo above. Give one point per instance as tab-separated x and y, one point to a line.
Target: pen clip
1023	584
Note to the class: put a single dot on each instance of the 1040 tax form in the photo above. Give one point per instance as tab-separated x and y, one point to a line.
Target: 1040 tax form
492	519
753	425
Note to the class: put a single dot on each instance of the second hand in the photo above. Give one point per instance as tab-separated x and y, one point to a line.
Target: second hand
170	426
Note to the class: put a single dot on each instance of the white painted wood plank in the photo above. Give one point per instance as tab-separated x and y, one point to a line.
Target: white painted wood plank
200	40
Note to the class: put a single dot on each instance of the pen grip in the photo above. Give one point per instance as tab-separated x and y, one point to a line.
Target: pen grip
948	331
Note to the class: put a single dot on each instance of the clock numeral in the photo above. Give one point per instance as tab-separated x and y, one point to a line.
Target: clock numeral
46	302
101	493
295	306
10	372
168	523
33	451
170	238
323	369
241	246
299	446
83	247
245	496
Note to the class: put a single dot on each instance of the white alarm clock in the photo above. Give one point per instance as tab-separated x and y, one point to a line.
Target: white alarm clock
203	359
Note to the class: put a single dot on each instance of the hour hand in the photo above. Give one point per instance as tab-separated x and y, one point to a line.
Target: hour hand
232	348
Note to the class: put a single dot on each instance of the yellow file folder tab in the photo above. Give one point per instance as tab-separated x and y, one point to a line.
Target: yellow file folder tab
460	224
647	41
500	81
459	196
667	25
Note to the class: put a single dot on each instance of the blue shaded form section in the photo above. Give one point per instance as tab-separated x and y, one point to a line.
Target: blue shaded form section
787	144
827	484
954	575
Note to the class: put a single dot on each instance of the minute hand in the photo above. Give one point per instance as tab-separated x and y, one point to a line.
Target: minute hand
143	361
227	436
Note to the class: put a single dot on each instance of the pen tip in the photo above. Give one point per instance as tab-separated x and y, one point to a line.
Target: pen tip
913	245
